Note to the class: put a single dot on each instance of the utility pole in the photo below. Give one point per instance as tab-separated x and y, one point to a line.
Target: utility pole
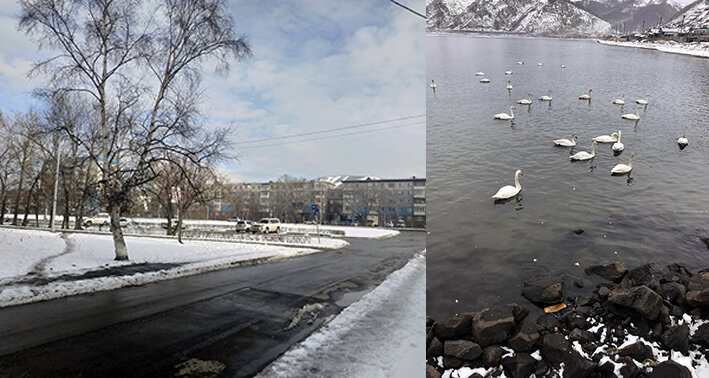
56	184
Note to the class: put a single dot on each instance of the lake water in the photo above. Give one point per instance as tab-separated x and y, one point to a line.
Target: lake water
479	252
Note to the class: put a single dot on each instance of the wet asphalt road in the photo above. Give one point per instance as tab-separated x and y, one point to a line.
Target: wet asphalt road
238	316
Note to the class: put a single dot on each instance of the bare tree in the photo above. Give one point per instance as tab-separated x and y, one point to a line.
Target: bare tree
142	76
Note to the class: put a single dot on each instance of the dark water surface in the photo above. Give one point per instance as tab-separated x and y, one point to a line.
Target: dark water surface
478	251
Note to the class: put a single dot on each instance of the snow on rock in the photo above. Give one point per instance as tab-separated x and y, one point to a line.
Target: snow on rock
700	49
381	335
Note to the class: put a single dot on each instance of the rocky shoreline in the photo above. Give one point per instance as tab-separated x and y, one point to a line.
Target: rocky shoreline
640	322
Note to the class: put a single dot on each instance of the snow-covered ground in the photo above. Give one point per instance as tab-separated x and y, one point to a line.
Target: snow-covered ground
35	253
700	49
381	335
349	232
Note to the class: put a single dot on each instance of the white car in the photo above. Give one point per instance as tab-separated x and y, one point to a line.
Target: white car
100	219
244	225
267	225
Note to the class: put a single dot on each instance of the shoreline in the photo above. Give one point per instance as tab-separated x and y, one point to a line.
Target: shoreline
672	48
640	322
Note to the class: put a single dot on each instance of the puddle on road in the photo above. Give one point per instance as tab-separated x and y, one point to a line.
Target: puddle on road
350	297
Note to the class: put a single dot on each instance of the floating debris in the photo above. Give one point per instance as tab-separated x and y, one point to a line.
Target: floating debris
555	308
577	264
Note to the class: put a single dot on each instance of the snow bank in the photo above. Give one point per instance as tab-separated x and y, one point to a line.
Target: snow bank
349	232
74	254
700	49
381	335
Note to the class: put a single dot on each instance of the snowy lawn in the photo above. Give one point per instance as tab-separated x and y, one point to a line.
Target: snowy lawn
30	254
700	49
350	232
381	335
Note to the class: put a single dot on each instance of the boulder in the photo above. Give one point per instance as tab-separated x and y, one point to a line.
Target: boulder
495	324
701	335
435	348
431	372
450	362
461	349
454	327
641	275
641	299
677	338
604	292
673	292
525	339
669	369
574	320
544	290
629	370
556	349
491	356
547	322
582	336
638	351
698	290
521	365
613	271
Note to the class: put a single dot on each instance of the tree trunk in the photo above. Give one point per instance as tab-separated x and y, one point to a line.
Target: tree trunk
29	200
179	226
18	194
3	198
118	242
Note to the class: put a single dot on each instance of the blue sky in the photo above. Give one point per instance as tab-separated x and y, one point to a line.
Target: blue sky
317	64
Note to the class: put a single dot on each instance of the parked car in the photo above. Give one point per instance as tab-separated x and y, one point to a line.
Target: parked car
401	223
233	219
267	225
309	222
100	219
371	223
123	222
389	224
244	225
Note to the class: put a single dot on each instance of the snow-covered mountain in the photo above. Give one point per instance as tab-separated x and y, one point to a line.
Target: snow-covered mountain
696	15
631	13
538	17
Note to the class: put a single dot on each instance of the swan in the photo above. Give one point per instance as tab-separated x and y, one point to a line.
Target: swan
520	62
546	98
622	168
563	66
583	155
480	74
433	85
526	101
619	101
606	138
682	141
509	191
509	85
586	96
484	80
617	146
505	116
540	64
632	116
641	101
508	72
567	142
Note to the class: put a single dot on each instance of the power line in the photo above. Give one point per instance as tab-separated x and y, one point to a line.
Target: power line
408	9
357	126
333	136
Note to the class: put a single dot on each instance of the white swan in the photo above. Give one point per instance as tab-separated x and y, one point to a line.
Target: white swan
583	155
563	66
540	64
682	141
606	138
505	116
586	96
526	101
622	168
508	72
520	62
484	80
546	98
641	101
509	85
480	74
617	146
619	101
567	142
509	191
433	85
632	116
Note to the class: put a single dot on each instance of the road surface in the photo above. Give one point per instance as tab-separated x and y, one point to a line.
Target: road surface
241	317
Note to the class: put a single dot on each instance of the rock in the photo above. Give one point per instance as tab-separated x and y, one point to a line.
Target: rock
673	292
525	339
491	356
681	271
429	321
641	275
450	362
582	336
638	351
606	369
435	348
544	290
578	231
698	290
671	369
542	369
547	322
461	349
641	299
520	366
579	284
431	372
701	335
677	338
454	327
629	370
495	324
574	320
556	349
604	292
612	271
664	315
